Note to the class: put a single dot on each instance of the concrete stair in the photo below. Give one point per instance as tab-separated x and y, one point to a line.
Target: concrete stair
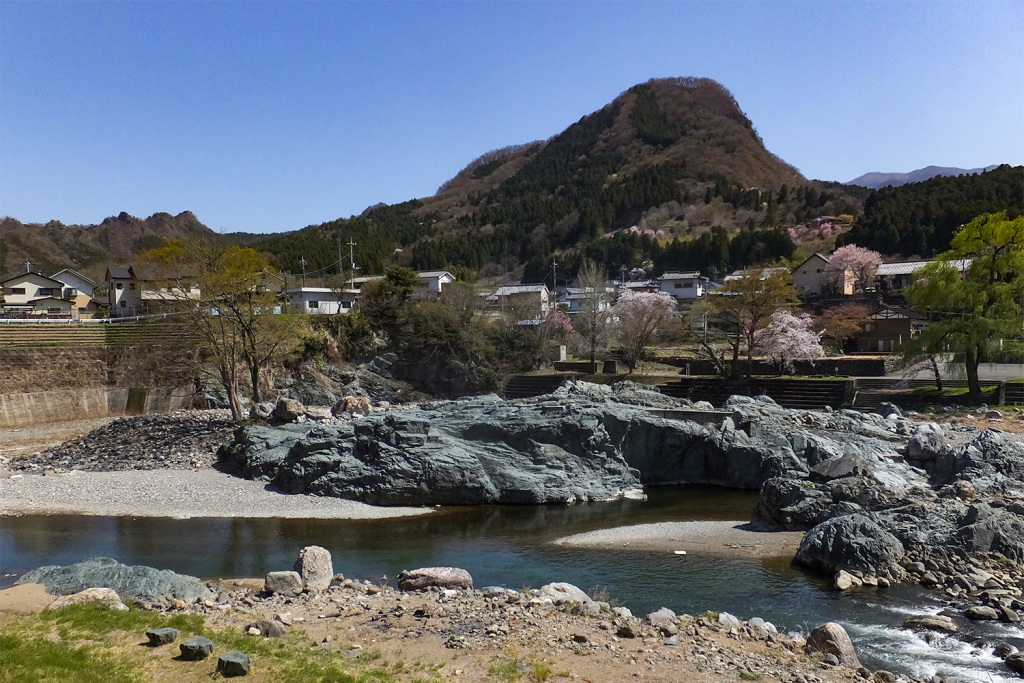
796	394
528	386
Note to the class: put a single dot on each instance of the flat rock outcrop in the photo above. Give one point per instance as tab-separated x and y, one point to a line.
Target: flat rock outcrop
129	582
869	502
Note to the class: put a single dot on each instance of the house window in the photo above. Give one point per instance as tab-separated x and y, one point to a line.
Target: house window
679	285
131	285
870	327
820	270
314	304
124	304
119	286
687	285
45	291
17	290
53	311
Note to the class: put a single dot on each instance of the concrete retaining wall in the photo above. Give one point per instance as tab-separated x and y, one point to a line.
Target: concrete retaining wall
76	404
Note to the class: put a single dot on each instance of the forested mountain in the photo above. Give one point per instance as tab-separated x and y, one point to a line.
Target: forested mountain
670	171
670	175
879	180
920	219
88	249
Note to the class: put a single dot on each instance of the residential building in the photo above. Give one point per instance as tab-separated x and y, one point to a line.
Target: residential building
889	328
533	300
639	286
124	292
80	290
573	299
811	278
432	283
683	286
321	300
893	277
32	294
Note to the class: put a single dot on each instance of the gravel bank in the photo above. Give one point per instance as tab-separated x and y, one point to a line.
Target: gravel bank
718	538
171	493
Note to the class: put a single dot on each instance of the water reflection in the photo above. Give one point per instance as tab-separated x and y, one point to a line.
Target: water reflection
511	546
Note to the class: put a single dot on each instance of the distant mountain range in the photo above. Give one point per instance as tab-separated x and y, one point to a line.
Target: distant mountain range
879	180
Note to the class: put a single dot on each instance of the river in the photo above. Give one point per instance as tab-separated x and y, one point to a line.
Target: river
511	546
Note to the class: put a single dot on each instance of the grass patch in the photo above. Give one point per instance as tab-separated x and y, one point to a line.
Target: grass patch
25	657
749	676
90	644
505	670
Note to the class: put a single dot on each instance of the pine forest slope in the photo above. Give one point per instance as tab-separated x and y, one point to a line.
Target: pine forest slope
920	219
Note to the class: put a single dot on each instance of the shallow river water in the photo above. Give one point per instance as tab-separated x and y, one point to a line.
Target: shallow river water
511	546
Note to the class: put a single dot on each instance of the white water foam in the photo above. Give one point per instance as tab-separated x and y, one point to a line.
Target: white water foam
952	659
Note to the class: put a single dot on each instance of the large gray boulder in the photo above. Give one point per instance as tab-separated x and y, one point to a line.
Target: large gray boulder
130	582
441	577
315	568
851	542
832	639
288	410
926	442
284	583
561	593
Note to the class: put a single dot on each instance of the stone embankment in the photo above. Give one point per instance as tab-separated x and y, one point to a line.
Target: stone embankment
558	626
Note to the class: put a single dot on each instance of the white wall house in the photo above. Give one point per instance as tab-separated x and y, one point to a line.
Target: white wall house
535	300
811	278
432	283
80	291
897	275
34	294
683	286
321	300
572	299
124	292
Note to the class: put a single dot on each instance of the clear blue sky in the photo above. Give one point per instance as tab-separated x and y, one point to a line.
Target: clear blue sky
269	116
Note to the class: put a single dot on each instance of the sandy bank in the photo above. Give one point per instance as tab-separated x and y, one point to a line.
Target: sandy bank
719	538
172	493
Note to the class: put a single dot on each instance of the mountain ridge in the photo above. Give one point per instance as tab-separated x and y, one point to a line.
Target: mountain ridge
878	180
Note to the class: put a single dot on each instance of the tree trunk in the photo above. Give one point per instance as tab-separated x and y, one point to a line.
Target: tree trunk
254	377
227	380
938	375
971	362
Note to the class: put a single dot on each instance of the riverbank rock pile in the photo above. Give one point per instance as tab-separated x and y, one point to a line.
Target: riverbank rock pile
185	439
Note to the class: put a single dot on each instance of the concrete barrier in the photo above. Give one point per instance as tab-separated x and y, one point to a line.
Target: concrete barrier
77	404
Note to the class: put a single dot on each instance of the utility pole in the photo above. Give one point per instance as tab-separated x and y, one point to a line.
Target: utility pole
352	261
302	262
339	254
554	274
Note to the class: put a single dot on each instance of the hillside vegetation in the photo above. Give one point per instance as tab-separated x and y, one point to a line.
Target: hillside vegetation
921	218
89	248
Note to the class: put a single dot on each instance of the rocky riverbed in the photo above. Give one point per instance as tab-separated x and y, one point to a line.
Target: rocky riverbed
882	497
436	615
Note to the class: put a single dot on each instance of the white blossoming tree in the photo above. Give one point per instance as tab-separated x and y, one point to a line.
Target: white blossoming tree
789	338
